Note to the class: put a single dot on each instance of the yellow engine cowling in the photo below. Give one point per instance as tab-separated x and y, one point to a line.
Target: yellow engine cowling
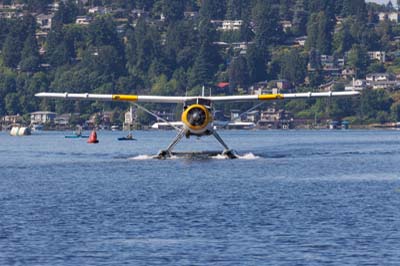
197	117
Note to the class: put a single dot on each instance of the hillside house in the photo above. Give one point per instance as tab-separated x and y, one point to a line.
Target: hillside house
301	40
379	56
235	115
389	16
348	73
382	81
231	25
99	10
227	25
139	13
44	21
62	121
286	25
191	14
83	20
42	117
11	119
331	62
374	77
253	116
275	119
356	85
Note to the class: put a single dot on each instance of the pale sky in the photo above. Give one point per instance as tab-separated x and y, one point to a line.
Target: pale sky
382	1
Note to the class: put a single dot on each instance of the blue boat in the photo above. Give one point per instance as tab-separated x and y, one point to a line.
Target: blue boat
76	136
126	138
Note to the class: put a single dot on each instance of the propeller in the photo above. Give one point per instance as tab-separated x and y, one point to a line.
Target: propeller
196	117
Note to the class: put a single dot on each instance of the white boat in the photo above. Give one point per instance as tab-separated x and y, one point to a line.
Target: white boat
165	125
241	125
20	131
37	127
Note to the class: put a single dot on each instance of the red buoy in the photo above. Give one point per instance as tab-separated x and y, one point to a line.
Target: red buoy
93	137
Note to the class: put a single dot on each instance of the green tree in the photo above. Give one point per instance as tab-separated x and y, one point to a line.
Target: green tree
203	70
246	33
162	87
373	102
359	60
7	85
175	41
315	59
30	55
144	4
267	27
299	18
343	39
130	50
376	68
212	9
236	9
12	103
355	8
105	60
60	55
173	10
208	59
102	31
319	31
58	50
389	6
256	63
285	11
147	45
11	51
395	111
385	33
340	108
38	6
66	13
238	73
293	66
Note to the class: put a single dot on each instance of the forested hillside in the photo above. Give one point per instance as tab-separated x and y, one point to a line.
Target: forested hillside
174	47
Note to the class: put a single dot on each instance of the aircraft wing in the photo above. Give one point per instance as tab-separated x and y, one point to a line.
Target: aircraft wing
114	97
182	99
282	96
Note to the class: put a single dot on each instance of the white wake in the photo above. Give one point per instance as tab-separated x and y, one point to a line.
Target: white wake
246	156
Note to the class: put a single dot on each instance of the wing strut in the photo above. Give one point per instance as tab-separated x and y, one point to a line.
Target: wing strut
168	152
156	116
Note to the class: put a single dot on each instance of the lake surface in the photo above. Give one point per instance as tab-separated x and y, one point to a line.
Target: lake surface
294	198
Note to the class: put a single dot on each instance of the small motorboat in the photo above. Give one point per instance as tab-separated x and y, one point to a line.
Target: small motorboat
76	136
128	137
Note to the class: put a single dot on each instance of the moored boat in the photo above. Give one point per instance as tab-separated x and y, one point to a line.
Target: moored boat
20	131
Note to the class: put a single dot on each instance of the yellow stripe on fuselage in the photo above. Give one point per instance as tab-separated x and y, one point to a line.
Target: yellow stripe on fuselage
124	97
270	96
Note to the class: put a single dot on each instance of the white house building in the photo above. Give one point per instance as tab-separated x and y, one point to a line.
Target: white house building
42	117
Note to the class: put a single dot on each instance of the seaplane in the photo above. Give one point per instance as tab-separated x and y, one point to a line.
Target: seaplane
197	115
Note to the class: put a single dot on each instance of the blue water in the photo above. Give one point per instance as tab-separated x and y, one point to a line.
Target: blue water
294	198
